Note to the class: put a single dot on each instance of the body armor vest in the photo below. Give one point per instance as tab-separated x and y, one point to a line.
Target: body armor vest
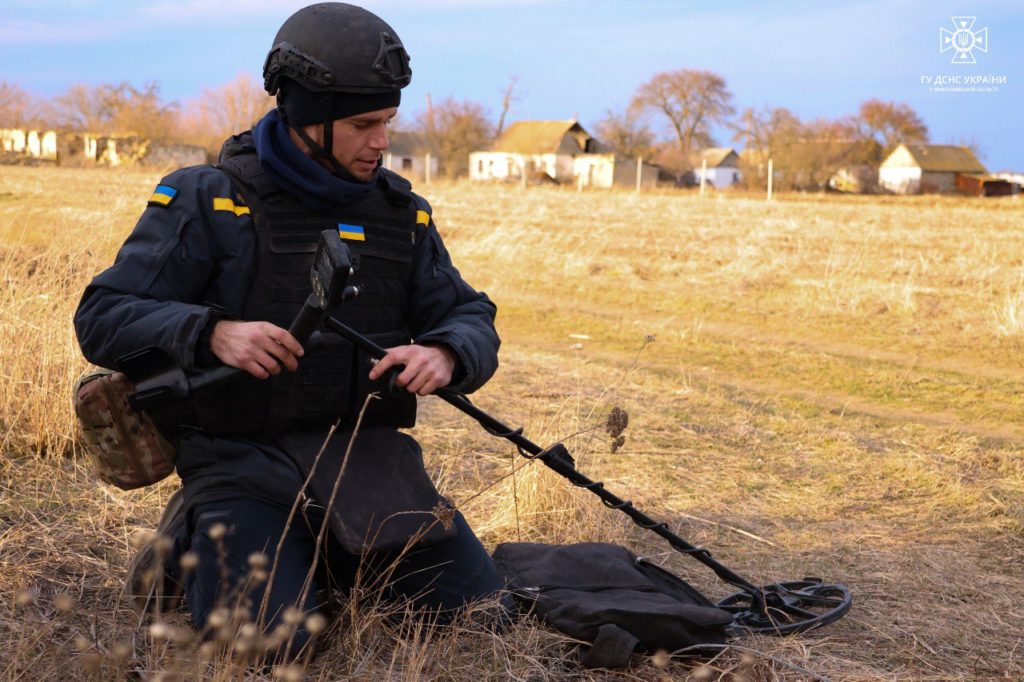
332	381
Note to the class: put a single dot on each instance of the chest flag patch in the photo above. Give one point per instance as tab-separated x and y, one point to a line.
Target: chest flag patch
354	232
163	195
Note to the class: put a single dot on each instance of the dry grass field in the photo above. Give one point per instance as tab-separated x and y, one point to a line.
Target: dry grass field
834	389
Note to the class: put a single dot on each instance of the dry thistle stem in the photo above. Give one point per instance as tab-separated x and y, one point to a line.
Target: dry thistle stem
705	673
121	651
445	513
218	618
189	561
26	597
65	603
217	531
618	443
92	662
159	632
292	615
315	624
618	420
258	560
292	672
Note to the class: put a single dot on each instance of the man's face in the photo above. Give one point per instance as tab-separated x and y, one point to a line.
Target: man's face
358	140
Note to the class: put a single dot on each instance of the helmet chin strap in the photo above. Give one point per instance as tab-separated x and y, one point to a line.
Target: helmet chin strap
320	152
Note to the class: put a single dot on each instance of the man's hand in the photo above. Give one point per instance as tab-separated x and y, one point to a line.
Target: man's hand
260	348
427	368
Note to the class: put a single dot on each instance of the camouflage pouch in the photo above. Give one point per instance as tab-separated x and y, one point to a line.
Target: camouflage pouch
124	445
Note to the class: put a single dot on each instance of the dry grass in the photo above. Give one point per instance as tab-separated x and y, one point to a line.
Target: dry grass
839	377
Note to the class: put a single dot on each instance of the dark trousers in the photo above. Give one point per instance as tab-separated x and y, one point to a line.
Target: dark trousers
437	579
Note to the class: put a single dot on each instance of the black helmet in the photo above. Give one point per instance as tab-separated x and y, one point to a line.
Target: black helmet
336	47
333	60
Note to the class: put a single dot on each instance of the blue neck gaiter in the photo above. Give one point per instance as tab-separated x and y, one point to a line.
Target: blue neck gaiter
291	169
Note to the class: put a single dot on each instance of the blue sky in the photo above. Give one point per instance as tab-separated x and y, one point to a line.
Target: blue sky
572	57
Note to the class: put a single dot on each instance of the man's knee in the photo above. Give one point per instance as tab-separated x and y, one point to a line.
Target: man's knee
236	592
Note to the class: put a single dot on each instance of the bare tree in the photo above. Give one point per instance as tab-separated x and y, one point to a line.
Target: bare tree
20	108
626	133
693	101
768	133
890	124
237	105
225	110
82	108
117	108
454	129
507	97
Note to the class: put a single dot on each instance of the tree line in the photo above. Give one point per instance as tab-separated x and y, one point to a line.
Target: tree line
669	119
451	128
672	116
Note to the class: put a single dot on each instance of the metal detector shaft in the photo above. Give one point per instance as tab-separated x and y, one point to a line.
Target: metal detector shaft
558	459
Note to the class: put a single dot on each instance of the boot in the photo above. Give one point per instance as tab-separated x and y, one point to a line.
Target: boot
154	579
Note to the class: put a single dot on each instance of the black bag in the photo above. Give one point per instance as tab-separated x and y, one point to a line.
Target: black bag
603	594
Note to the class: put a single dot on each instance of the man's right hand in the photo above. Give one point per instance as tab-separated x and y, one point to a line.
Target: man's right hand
260	348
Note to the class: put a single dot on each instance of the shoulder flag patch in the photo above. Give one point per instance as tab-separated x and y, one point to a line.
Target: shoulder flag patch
354	232
225	204
163	195
422	218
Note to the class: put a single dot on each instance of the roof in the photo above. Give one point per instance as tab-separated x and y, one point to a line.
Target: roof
404	143
535	137
716	156
936	158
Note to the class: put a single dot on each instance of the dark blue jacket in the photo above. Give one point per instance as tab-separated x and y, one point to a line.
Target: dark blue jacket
185	263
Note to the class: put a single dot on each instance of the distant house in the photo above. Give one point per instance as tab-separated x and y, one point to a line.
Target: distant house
1016	180
560	151
924	168
723	166
407	155
978	185
18	146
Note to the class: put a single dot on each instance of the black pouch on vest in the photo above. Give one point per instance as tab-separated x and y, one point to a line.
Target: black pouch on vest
385	496
603	594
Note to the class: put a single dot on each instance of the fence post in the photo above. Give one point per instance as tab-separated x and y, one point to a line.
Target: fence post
771	176
639	173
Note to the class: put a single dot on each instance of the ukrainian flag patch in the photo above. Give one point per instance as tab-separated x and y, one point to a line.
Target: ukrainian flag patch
354	232
225	204
163	195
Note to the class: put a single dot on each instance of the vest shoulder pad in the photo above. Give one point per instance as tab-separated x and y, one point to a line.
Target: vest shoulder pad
245	170
397	189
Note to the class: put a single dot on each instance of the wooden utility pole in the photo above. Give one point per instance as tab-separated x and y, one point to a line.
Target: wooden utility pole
771	176
639	173
426	169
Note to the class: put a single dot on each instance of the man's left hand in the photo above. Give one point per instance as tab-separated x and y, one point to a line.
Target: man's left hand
427	368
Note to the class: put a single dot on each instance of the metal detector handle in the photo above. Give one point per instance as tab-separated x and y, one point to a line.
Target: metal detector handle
302	328
307	321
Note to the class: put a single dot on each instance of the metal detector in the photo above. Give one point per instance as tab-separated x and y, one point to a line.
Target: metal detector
779	608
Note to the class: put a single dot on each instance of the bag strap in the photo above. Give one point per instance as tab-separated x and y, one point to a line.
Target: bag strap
611	648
